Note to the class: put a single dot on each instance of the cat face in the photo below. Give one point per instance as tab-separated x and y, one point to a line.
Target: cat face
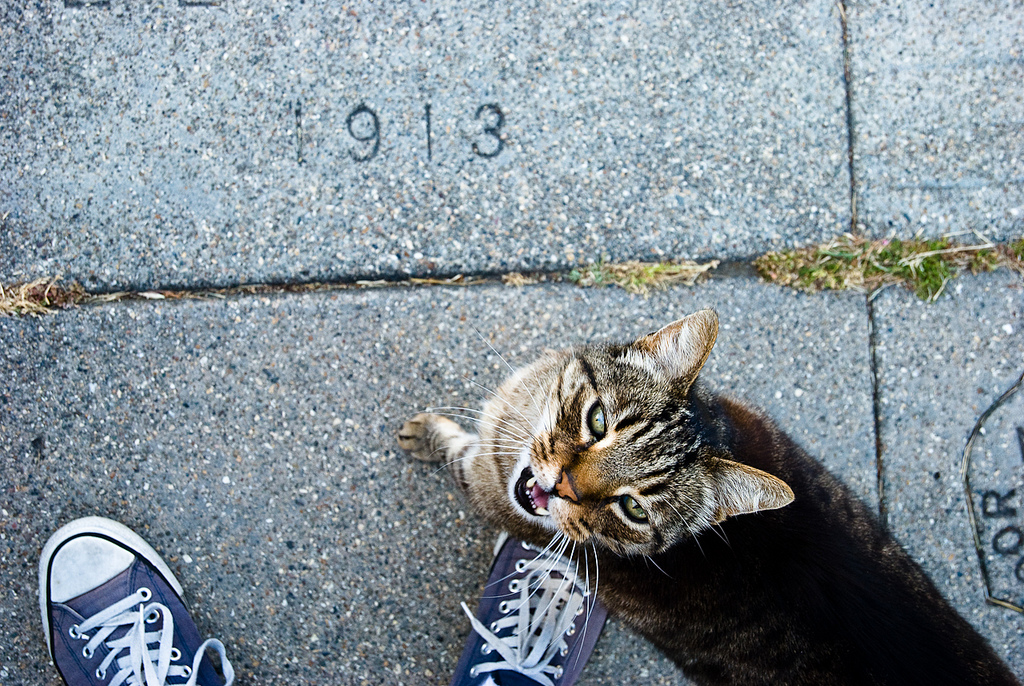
604	444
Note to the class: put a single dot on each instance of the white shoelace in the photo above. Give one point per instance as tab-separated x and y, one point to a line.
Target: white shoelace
539	620
142	665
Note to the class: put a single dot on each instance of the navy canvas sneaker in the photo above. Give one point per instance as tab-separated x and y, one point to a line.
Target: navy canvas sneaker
537	622
113	614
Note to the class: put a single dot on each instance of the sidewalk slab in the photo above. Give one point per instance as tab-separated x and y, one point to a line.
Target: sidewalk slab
250	440
937	95
177	145
940	366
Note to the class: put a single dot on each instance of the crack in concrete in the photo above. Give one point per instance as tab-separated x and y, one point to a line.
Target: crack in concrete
848	89
883	514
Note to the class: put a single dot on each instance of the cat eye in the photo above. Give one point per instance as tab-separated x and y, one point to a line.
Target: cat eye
632	508
595	421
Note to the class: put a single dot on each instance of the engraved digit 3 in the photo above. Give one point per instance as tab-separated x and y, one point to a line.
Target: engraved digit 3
492	130
374	136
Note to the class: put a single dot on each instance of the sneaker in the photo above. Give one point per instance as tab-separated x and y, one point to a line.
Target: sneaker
114	614
537	622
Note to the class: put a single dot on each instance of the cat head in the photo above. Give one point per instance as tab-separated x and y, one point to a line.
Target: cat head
620	453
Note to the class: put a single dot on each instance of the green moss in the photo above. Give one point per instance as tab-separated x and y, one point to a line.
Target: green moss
639	277
849	262
1017	248
983	261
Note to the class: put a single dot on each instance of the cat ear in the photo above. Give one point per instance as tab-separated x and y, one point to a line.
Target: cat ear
682	347
740	489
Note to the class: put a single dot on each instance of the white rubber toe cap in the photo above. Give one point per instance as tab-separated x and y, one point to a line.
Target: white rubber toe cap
84	563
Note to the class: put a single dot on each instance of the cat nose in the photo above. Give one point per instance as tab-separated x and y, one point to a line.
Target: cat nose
564	487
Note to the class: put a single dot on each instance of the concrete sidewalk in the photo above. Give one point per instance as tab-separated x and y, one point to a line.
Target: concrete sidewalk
251	439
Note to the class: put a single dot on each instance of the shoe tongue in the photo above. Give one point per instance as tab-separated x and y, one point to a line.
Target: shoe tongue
506	678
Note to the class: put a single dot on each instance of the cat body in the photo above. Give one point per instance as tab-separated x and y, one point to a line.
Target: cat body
700	524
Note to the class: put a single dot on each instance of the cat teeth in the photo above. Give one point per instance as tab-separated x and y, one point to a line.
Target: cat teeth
532	482
542	511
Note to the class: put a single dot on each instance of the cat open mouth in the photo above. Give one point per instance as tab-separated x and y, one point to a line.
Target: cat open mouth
530	496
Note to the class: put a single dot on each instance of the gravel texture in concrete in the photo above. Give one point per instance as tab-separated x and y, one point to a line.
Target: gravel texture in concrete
940	366
251	441
163	145
937	94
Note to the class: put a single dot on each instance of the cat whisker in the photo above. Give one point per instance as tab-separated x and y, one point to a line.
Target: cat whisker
676	510
435	452
684	519
493	453
510	368
508	576
587	601
514	446
511	434
561	583
717	528
498	397
656	566
451	462
597	570
480	417
504	438
699	547
507	427
501	442
553	557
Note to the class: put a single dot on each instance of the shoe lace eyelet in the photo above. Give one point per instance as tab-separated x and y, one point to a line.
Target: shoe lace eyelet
485	649
73	631
145	593
175	654
514	585
186	671
503	607
521	565
473	672
87	652
100	674
152	616
571	630
564	651
558	672
526	546
581	610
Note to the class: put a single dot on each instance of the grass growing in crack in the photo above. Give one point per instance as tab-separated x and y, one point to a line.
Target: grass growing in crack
39	297
640	277
853	263
845	263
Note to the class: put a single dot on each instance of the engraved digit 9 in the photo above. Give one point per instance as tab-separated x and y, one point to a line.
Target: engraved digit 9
374	135
492	130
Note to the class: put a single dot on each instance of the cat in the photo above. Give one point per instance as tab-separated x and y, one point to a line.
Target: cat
716	536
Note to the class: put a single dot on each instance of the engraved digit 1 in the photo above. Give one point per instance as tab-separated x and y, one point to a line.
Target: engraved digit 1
492	130
374	136
298	131
426	112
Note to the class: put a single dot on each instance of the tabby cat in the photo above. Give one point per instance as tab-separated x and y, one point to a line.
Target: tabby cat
715	535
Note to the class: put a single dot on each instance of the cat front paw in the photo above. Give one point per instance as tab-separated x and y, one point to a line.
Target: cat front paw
429	437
